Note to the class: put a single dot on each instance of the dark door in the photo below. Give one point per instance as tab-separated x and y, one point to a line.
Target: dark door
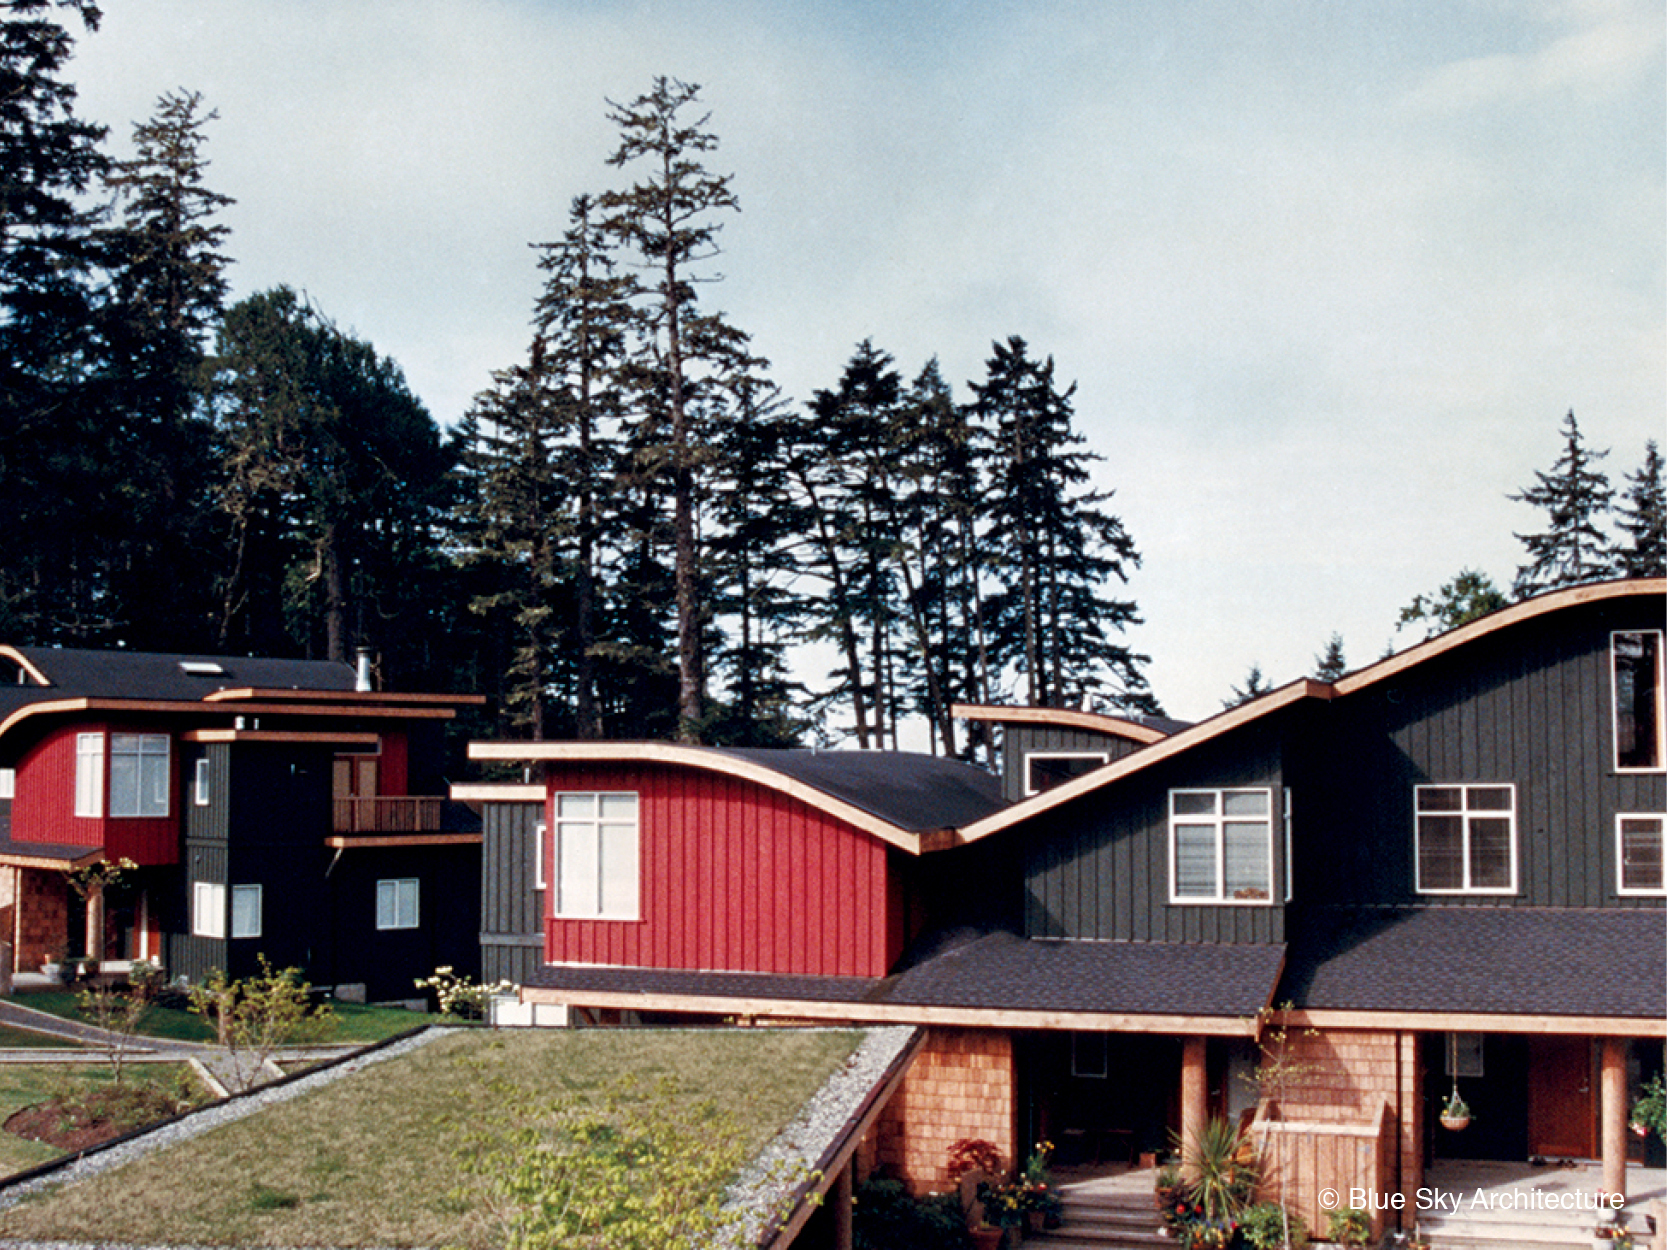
1560	1099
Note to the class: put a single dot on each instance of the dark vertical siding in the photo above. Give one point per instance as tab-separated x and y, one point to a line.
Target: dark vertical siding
512	930
183	953
1019	741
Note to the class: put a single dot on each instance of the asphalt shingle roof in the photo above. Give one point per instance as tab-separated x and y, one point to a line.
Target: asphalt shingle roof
78	674
912	791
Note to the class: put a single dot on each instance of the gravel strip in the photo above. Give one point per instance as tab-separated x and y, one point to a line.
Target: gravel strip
197	1122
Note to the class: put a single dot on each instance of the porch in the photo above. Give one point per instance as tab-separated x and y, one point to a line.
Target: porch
1542	1206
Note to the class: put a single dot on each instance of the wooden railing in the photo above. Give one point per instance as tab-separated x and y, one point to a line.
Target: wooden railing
1301	1159
404	814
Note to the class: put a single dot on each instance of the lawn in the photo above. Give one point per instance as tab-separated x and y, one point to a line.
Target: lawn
372	1159
24	1085
354	1023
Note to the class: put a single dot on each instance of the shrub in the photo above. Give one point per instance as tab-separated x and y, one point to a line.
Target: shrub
1352	1227
885	1217
973	1154
1263	1227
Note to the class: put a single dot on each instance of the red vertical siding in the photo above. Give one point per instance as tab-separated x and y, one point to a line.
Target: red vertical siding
736	877
44	807
393	774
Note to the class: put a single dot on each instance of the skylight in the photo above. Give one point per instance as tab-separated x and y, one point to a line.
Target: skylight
201	668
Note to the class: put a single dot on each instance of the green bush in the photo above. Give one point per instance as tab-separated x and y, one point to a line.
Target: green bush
1263	1228
885	1217
1352	1227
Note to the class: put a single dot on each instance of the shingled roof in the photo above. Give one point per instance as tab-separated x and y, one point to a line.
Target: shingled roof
1543	961
912	791
74	674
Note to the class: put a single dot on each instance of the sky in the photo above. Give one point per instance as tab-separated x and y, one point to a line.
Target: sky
1327	275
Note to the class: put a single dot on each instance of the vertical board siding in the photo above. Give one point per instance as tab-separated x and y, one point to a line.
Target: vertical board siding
45	807
736	877
1020	740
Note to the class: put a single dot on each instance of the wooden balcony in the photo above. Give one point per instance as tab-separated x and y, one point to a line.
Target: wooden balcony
404	814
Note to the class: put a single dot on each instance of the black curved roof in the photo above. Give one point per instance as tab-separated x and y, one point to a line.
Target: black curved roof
912	791
83	674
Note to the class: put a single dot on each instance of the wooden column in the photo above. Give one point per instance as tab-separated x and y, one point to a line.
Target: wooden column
841	1198
1612	1115
1195	1092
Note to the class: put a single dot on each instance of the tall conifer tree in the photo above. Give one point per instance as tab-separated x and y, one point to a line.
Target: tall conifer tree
1642	517
1575	497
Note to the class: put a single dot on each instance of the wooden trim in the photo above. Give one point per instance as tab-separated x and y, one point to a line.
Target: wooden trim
243	693
346	842
703	758
17	657
1115	726
498	792
859	1013
1166	748
278	735
48	707
1492	623
1478	1022
12	859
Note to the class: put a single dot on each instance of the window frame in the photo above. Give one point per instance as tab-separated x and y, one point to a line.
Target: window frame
151	765
200	782
541	834
1465	813
1103	758
398	885
89	775
8	783
1657	706
624	880
1218	820
208	910
233	930
1639	891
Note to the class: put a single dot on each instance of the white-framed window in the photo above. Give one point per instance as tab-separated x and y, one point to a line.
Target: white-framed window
1221	846
396	903
1466	839
596	856
540	833
1046	769
1641	848
208	909
89	774
138	774
8	783
246	900
199	783
1635	663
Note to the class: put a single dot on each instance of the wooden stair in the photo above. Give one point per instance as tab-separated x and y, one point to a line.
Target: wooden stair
1099	1219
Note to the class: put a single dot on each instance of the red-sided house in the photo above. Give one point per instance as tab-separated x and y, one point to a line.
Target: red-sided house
268	807
1449	863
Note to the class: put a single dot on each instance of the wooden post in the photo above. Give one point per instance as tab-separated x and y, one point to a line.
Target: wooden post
841	1198
1195	1092
1612	1115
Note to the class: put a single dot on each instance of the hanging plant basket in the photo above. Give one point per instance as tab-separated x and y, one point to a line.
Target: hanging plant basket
1454	1122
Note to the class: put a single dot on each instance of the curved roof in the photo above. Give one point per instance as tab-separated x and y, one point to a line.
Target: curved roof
1147	730
60	673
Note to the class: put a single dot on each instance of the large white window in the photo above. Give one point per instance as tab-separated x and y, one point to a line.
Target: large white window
89	774
246	900
1466	839
1635	658
208	909
1221	846
138	774
596	856
1642	840
1046	769
396	903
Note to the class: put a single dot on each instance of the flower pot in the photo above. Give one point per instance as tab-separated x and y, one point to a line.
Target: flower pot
1036	1221
988	1238
1455	1122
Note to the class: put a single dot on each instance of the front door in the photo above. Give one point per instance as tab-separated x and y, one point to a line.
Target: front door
1561	1110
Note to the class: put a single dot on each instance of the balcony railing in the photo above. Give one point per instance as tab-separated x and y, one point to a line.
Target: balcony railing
405	814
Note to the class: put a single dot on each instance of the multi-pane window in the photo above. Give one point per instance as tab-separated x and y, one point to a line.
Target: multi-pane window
596	856
1221	846
208	909
138	774
246	901
1642	840
1046	769
89	774
1636	660
1466	839
396	903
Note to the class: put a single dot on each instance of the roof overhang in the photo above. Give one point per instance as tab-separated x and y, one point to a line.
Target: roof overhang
219	712
675	754
1112	726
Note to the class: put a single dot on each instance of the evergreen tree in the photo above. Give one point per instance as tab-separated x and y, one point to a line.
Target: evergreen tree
668	219
53	471
1642	517
1471	594
1255	686
1330	665
168	291
1575	497
1053	544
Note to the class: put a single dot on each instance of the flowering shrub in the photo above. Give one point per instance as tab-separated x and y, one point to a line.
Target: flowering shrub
459	997
973	1154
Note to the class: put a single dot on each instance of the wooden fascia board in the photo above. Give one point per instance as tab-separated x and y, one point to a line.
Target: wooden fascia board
370	842
857	1014
173	707
1137	761
1114	726
1476	1022
498	792
14	859
279	735
1517	613
17	657
695	757
247	693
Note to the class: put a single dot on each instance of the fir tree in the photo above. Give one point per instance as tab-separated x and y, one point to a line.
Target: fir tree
1255	686
1575	497
1330	665
1642	517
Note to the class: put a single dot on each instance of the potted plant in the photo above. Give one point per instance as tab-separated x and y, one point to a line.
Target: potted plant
1455	1112
1649	1113
1041	1203
1352	1227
